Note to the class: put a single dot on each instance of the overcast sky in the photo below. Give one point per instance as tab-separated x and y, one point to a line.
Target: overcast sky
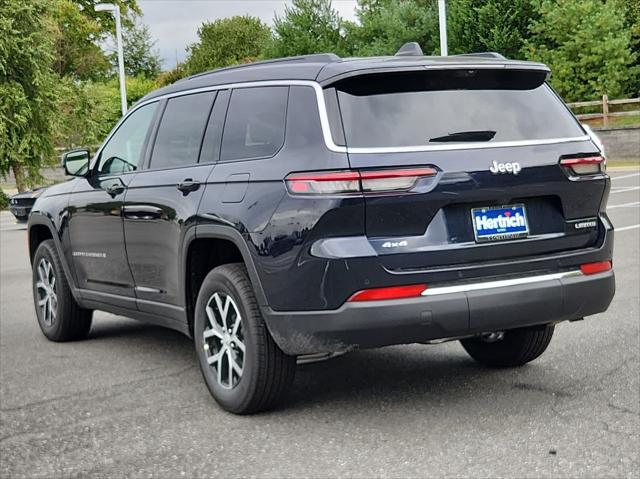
174	23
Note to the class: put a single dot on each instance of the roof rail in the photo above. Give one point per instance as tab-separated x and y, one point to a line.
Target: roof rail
410	49
312	58
483	54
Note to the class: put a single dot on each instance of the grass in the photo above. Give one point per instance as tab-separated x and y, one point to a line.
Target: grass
620	121
634	164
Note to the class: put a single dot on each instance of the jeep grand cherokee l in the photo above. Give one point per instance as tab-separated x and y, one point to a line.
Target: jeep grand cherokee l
317	205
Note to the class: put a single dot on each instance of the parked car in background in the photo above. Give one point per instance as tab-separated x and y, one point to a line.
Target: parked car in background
20	205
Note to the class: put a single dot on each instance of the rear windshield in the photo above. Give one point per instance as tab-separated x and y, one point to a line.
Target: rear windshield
444	107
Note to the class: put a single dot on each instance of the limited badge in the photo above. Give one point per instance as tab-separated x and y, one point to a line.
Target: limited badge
581	225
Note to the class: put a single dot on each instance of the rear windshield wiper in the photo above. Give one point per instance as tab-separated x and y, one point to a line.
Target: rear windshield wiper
478	135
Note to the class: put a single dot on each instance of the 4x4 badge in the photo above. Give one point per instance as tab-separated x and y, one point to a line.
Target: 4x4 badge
513	168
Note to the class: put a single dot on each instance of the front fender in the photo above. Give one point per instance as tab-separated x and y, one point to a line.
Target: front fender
41	218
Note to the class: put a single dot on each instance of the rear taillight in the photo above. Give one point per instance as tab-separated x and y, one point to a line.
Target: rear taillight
595	268
337	182
393	180
332	182
392	292
584	166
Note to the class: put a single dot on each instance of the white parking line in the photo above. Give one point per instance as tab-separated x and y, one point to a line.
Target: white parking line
624	176
624	205
626	228
624	189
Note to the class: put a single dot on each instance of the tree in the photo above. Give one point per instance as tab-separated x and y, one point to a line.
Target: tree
632	22
386	25
139	56
76	37
79	33
489	25
87	111
171	76
227	41
129	9
27	88
586	45
308	26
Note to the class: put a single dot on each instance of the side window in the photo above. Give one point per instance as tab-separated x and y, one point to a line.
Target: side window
181	129
122	153
210	151
255	123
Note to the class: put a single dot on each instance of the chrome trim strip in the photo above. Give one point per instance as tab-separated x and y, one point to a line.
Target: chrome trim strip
324	118
144	289
596	140
463	288
467	146
326	130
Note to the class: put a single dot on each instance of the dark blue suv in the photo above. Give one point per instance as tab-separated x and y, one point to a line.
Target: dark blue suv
318	205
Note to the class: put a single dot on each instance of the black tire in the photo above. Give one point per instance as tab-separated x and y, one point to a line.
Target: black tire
71	322
266	372
22	219
517	347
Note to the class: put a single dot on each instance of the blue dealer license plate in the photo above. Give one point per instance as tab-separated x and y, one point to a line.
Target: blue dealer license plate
498	223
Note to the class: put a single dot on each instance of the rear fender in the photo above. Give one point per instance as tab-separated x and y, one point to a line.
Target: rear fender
234	236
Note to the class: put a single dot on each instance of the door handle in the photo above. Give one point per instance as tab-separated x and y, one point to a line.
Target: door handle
115	189
141	212
187	186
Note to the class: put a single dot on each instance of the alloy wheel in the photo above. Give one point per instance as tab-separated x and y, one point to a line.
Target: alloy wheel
46	290
224	339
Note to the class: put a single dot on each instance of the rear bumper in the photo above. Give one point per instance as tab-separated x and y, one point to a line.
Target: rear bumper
450	311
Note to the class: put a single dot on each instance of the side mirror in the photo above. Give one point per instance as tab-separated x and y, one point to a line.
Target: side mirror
76	162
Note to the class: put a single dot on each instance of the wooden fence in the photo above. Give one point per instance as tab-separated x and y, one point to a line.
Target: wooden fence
606	114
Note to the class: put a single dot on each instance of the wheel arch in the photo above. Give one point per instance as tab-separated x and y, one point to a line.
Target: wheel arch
41	228
224	245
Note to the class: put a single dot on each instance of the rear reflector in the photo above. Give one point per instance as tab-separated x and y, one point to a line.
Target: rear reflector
336	182
595	268
392	292
589	165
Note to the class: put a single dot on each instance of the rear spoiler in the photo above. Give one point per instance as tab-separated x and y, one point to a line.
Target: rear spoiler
539	70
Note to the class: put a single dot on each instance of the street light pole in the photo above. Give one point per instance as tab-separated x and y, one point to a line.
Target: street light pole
123	86
115	10
442	20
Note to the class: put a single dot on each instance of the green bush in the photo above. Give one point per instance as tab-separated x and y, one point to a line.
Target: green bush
4	200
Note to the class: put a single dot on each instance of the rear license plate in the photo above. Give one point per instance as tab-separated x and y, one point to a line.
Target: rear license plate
498	223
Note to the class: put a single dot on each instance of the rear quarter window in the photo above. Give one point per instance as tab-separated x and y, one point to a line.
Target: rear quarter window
444	107
255	124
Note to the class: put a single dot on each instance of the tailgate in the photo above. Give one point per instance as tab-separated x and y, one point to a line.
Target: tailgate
495	139
433	226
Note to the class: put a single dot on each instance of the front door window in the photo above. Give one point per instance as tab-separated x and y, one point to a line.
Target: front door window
123	151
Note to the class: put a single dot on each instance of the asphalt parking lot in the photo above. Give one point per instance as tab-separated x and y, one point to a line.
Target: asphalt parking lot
130	401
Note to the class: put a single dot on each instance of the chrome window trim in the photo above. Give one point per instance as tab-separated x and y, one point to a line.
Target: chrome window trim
326	130
466	146
464	288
